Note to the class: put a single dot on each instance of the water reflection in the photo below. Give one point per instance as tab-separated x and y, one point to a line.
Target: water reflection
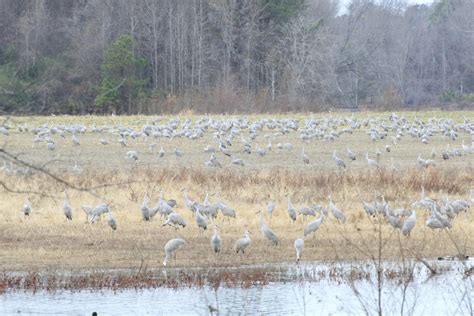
450	293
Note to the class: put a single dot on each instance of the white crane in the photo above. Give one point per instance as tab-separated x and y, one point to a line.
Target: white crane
299	244
338	214
266	231
161	153
409	224
171	246
67	209
242	243
216	241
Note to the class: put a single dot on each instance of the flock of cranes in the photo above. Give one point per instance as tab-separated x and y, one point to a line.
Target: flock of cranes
442	212
232	139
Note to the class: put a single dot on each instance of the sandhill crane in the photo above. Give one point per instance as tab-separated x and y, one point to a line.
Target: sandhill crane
216	241
213	162
177	152
266	231
27	208
171	246
132	154
238	162
409	224
378	154
67	209
122	142
260	151
111	221
242	243
270	208
299	244
161	153
226	210
51	145
339	162
201	221
77	169
338	214
190	204
175	220
104	141
291	209
75	140
370	209
304	156
97	211
350	154
371	162
146	208
313	226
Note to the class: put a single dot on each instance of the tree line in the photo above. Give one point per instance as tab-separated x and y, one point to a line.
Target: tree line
165	56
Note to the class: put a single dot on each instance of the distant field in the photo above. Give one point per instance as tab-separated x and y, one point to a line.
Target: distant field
46	240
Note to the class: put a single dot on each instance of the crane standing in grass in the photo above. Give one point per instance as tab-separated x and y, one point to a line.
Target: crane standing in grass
266	231
242	243
171	246
67	209
299	244
291	209
216	241
338	214
409	224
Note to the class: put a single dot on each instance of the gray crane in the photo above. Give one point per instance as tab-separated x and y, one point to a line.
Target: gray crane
67	209
170	248
270	208
338	214
313	226
299	244
27	208
339	162
242	243
351	155
305	157
201	221
175	220
409	224
267	232
291	209
371	162
216	241
111	221
146	207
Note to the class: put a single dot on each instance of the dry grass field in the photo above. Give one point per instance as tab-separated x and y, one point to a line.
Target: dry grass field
45	240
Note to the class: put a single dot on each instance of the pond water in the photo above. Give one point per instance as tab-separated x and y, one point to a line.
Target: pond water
451	293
